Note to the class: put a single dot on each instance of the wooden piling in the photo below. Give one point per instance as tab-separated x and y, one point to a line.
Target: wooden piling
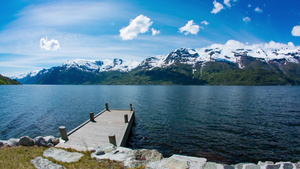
92	117
106	106
63	133
126	118
131	108
112	140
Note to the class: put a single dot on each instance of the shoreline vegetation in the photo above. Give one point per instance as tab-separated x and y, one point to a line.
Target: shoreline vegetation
28	153
7	81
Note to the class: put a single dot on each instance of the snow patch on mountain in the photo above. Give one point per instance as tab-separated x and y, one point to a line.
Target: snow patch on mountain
101	66
30	74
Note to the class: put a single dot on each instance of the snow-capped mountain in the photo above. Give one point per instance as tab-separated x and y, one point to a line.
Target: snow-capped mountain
95	66
273	63
232	51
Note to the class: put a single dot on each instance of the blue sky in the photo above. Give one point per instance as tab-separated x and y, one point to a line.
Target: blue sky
37	34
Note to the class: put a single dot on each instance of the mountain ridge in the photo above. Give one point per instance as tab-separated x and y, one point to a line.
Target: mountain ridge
276	60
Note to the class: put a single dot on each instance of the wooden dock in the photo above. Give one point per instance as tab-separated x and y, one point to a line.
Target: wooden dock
109	126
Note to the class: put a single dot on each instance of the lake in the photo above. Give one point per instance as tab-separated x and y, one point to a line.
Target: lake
226	124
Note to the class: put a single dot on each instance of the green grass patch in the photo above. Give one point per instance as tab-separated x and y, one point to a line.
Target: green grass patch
19	157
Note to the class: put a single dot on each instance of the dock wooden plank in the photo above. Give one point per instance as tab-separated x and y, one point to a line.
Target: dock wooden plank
94	134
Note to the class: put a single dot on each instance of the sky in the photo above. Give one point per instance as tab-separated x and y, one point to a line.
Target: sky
36	34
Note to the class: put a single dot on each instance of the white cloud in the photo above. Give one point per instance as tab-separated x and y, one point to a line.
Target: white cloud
296	30
227	2
249	5
155	32
258	10
217	7
138	25
246	19
205	22
190	27
49	44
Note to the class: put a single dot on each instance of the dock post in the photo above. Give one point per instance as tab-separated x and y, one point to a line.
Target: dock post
126	118
63	133
92	117
106	106
131	108
112	140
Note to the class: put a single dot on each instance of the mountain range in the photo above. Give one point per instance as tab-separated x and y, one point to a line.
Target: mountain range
233	63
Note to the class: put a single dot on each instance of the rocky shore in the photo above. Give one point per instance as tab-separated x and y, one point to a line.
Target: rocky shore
133	158
154	159
48	141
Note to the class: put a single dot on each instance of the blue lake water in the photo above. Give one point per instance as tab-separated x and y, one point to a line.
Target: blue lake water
228	124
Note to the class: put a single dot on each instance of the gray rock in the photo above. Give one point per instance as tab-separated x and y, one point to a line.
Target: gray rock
13	142
40	141
50	145
174	164
260	163
49	138
273	166
100	152
228	166
62	155
212	165
147	155
288	166
1	144
253	166
297	165
107	148
241	165
180	161
41	163
26	141
55	141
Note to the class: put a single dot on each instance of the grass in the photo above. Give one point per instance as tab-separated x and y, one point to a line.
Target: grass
19	157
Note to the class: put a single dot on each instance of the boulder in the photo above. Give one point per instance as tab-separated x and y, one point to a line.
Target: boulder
228	166
172	163
212	165
42	163
241	165
62	155
1	143
55	141
49	138
99	152
262	164
107	148
50	145
26	141
147	155
119	154
298	165
40	141
180	161
277	166
288	166
285	165
12	142
252	166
